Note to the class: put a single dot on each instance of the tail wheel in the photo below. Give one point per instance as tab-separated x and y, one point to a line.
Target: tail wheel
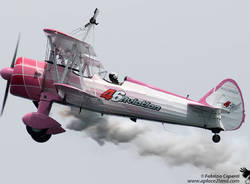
216	138
38	135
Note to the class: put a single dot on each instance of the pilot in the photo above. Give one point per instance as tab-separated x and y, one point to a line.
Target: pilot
113	78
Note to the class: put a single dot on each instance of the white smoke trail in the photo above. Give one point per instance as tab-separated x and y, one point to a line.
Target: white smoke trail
102	129
176	150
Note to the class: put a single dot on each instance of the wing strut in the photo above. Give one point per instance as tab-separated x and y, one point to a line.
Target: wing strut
53	57
71	62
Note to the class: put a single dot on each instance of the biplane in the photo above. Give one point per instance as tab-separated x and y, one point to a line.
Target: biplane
71	75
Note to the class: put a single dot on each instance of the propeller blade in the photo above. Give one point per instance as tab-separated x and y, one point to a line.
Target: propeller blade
95	10
8	82
15	53
96	13
86	25
5	96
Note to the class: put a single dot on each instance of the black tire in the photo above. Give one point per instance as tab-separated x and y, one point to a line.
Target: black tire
216	138
38	135
42	138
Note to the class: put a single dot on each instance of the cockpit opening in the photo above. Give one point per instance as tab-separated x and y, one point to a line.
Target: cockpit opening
113	77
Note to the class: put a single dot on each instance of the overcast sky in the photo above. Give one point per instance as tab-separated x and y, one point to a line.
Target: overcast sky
183	46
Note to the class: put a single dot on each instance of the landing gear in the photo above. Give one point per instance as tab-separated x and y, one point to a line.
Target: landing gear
216	138
38	124
39	135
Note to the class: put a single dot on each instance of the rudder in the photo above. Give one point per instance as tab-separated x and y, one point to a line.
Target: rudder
228	99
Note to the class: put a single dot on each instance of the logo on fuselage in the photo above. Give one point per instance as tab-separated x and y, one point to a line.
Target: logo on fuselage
120	96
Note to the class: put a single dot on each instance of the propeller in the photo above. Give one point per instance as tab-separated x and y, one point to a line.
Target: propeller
93	19
6	74
15	53
91	23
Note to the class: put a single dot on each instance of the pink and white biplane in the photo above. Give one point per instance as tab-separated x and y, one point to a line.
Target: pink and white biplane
70	75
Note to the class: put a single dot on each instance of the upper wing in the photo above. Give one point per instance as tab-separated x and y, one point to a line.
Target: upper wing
65	43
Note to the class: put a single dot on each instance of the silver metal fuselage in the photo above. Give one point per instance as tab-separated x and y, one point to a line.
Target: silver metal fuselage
134	99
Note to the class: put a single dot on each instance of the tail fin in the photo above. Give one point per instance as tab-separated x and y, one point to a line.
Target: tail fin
227	97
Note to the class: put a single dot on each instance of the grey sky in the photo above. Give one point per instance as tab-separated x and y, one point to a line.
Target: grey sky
186	47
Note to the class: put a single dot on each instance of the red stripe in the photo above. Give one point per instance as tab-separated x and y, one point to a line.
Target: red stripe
28	61
19	60
19	91
29	70
41	65
18	69
34	92
31	81
17	80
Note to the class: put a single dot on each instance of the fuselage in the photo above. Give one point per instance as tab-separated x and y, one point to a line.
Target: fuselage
131	98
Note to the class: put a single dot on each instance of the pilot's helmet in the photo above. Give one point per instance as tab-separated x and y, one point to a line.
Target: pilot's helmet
114	75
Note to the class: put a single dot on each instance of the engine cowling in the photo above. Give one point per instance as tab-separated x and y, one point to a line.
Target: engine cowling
27	78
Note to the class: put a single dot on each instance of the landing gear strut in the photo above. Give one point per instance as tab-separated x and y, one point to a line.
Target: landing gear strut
39	135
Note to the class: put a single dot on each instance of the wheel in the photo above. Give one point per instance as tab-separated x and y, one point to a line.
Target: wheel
216	138
42	138
33	131
39	135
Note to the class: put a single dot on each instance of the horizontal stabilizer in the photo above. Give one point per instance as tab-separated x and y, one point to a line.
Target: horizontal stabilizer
203	107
